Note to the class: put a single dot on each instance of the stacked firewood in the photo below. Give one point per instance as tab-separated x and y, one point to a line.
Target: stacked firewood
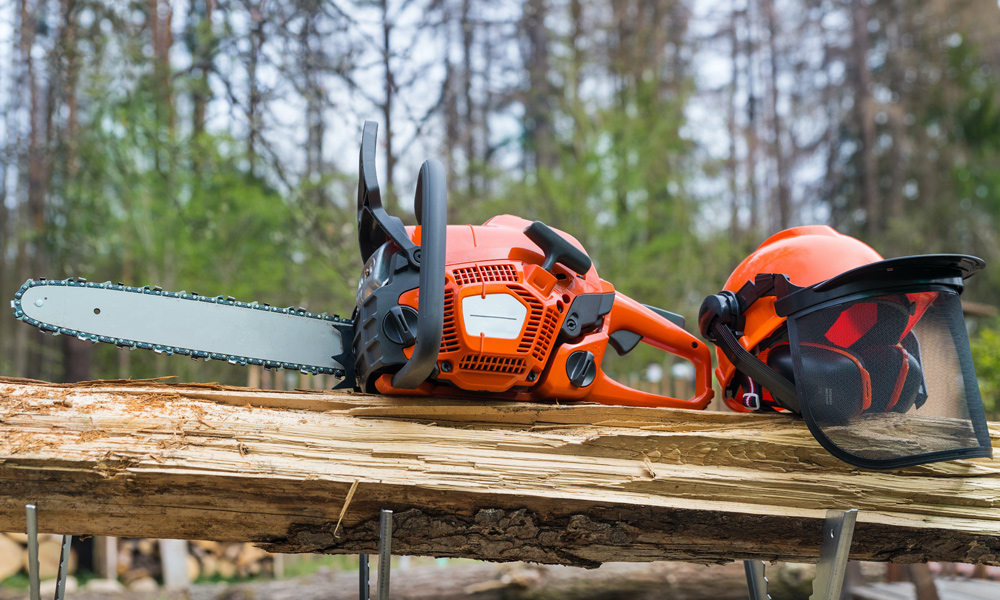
14	555
228	560
140	558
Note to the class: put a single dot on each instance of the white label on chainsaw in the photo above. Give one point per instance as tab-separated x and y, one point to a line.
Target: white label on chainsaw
494	316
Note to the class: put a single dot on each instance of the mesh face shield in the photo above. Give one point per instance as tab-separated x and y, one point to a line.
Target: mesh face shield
877	361
887	381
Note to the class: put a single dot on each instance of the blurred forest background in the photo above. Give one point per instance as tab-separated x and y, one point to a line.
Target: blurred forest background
211	145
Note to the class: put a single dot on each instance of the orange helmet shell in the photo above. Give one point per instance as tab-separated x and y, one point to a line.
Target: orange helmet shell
807	255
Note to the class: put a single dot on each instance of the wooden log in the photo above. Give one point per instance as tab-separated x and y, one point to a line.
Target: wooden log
575	485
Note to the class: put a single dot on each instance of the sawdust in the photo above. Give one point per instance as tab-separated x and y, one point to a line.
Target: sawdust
146	402
22	443
171	444
93	434
34	403
13	404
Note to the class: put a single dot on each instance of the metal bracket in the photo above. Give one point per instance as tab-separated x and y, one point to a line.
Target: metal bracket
32	530
838	531
384	553
384	560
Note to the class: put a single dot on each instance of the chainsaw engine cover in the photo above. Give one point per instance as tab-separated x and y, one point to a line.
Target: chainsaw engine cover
503	312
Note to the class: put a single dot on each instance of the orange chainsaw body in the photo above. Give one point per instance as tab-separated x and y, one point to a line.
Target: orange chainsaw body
509	325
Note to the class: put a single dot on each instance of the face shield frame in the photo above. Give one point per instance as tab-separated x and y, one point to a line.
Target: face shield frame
876	284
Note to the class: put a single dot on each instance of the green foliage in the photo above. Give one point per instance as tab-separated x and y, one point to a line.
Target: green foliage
986	357
147	205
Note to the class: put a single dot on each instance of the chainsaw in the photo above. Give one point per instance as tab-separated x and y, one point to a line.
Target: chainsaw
511	308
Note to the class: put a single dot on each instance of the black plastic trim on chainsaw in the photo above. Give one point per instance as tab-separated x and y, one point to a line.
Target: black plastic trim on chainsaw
585	315
431	198
673	317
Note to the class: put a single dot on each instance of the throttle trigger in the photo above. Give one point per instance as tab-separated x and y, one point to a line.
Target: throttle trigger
624	341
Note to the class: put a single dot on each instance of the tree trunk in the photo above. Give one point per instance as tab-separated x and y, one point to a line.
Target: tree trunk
781	213
37	168
389	197
201	51
576	485
537	104
865	111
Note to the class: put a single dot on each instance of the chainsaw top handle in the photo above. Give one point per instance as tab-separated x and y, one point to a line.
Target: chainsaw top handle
431	205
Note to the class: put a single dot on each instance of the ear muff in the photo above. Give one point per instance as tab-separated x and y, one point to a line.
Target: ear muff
718	309
913	392
779	358
896	378
835	382
912	347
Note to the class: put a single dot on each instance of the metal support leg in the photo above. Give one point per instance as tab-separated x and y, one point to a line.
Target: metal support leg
32	530
384	553
838	531
63	567
756	581
363	590
34	581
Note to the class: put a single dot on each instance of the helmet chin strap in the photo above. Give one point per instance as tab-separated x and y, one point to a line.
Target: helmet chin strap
782	390
721	312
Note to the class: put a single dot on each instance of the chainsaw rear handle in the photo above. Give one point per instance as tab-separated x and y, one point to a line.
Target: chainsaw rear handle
627	315
431	206
375	225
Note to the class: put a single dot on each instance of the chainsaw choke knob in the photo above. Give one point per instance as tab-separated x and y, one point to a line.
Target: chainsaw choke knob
581	368
557	249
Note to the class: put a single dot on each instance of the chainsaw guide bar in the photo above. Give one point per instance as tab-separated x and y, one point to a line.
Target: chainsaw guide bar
201	327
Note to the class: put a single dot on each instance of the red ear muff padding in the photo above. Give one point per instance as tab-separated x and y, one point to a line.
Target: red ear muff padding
894	387
834	383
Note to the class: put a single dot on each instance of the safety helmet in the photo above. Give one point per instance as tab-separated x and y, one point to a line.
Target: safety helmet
806	255
872	353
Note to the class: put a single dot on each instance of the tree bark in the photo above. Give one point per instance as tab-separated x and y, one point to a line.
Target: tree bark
575	485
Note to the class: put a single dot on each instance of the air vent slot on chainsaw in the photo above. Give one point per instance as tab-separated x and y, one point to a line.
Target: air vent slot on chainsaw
493	364
494	273
449	333
525	354
542	325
